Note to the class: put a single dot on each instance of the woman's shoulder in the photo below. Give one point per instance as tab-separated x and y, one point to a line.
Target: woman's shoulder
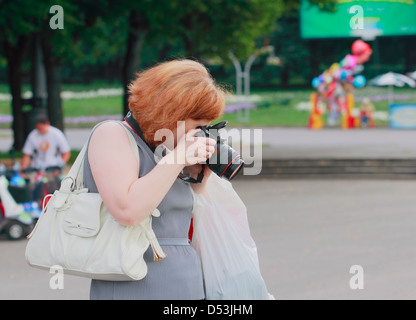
110	124
109	128
110	144
109	133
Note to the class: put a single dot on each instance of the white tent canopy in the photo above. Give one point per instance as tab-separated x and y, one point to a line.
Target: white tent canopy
412	75
391	80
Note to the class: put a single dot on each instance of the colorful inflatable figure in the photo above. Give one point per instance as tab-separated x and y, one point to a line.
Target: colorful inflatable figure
335	86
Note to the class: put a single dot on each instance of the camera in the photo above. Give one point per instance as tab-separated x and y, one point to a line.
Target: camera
225	161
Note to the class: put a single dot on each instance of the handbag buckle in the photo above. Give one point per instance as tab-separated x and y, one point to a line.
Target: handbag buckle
65	187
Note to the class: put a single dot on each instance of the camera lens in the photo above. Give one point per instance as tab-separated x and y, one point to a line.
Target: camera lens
226	162
233	168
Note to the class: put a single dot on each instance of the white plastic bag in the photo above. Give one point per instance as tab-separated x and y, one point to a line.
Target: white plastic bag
221	236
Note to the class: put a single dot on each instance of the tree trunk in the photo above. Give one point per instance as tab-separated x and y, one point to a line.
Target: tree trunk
410	54
53	70
138	29
54	81
313	59
15	55
188	24
285	76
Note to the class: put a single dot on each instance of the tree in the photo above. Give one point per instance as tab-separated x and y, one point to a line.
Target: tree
138	27
55	43
18	22
213	28
59	45
22	20
205	28
95	31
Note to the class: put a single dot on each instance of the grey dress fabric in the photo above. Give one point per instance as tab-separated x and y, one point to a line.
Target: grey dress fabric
179	275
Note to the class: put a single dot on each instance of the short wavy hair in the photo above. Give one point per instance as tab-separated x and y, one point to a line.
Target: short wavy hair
174	91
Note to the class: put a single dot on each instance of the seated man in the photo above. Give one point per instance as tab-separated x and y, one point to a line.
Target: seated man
45	147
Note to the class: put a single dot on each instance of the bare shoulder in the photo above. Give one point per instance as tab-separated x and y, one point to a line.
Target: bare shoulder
109	136
109	127
109	130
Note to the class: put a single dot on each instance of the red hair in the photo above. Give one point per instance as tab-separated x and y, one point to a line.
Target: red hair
174	91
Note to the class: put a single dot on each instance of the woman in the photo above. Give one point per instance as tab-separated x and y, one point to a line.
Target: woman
179	90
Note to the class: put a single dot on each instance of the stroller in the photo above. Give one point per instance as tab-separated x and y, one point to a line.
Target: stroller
16	220
21	200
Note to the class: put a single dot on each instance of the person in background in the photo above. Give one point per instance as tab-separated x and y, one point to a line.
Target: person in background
46	147
366	113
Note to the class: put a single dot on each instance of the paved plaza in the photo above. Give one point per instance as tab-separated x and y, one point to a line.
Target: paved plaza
300	143
308	234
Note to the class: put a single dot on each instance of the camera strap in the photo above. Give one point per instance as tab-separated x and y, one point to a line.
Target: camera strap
192	180
136	128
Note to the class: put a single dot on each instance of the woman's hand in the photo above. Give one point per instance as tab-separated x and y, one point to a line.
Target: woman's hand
191	150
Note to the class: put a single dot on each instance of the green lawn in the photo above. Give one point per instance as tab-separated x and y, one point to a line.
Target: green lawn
273	115
275	108
78	107
92	106
279	108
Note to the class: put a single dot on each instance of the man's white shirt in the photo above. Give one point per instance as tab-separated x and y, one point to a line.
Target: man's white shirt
46	149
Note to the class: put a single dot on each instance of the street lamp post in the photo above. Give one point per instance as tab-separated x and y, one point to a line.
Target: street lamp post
240	74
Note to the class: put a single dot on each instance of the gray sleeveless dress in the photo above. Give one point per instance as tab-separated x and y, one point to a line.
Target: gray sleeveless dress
179	275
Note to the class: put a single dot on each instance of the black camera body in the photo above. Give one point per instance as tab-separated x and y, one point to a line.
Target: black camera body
225	161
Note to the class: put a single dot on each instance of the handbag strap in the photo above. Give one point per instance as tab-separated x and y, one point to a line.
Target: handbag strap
74	180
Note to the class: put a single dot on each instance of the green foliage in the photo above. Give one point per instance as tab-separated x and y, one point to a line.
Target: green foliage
217	27
96	31
20	17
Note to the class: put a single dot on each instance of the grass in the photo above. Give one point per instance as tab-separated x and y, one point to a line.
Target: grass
82	107
77	107
92	106
6	157
278	108
274	115
275	108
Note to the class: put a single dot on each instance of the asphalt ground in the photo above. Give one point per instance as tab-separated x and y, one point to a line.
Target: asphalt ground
309	233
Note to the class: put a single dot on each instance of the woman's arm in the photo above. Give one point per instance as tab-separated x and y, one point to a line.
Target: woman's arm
115	171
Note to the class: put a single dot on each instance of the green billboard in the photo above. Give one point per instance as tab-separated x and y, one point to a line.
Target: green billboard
366	19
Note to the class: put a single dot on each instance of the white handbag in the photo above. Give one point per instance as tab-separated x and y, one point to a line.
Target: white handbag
77	232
